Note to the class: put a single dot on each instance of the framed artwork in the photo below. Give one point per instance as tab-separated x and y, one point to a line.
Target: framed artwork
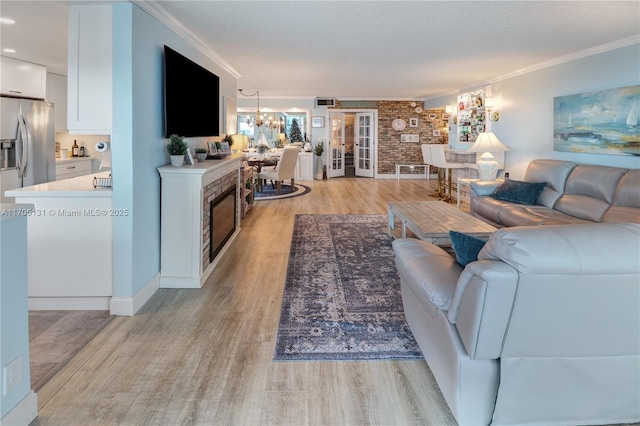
436	132
445	116
433	116
602	122
212	148
230	116
413	122
224	148
188	158
317	121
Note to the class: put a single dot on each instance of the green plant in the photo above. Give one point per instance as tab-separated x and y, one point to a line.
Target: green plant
319	149
228	139
177	145
201	150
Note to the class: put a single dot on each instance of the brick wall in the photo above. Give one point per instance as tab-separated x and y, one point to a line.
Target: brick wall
209	193
390	150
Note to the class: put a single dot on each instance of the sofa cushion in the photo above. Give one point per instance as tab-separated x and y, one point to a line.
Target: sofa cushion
428	269
626	200
555	173
521	215
466	247
519	192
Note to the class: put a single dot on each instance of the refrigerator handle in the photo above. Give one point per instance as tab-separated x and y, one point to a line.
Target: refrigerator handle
22	146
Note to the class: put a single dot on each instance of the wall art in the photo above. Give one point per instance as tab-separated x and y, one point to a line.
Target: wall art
603	122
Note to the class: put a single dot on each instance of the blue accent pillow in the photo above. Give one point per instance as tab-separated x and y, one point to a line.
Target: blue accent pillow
519	192
466	247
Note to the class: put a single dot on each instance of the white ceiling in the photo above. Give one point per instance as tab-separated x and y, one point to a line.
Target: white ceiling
359	49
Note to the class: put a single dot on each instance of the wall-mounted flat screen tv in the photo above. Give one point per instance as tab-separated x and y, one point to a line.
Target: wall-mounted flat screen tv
191	97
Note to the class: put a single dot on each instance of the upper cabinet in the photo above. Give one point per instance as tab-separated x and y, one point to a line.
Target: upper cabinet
57	93
22	79
89	84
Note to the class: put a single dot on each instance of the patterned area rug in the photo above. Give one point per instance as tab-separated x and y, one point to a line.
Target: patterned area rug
342	293
270	193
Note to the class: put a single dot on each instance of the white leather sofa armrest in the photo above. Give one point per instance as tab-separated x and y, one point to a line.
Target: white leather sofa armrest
481	307
484	188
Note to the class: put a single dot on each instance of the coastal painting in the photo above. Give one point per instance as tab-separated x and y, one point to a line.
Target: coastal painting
603	122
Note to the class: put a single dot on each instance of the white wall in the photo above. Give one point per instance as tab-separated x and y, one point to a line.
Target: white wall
138	143
525	103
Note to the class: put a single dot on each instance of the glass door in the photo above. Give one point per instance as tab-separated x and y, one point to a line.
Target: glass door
364	141
336	153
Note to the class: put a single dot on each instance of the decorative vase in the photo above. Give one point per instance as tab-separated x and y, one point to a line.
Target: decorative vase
177	160
201	156
318	168
307	147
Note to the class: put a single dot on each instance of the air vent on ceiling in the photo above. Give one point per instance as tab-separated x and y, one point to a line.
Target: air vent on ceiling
325	102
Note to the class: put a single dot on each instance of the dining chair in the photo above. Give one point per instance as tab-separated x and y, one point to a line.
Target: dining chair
426	158
445	169
285	169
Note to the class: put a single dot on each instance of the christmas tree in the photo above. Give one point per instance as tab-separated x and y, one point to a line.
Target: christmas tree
295	134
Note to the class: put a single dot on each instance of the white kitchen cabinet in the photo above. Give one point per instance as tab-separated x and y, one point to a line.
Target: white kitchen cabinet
57	93
304	168
22	79
73	167
90	57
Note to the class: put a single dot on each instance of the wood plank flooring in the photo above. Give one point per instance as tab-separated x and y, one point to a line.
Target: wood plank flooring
204	357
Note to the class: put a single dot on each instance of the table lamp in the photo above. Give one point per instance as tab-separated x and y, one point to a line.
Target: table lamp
487	142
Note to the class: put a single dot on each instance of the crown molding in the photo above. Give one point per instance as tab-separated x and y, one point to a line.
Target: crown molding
165	18
629	41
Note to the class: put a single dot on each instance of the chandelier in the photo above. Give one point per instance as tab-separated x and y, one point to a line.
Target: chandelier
262	120
258	120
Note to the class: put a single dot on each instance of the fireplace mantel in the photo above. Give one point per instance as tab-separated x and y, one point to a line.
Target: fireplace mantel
184	240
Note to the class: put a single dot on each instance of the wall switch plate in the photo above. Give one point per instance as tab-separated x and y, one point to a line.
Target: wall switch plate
12	375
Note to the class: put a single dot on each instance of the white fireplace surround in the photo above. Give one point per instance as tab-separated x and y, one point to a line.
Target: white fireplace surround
183	226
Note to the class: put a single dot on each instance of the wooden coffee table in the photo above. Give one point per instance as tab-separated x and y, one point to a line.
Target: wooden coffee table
432	220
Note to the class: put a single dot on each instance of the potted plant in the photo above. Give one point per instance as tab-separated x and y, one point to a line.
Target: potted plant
177	148
228	139
318	150
201	153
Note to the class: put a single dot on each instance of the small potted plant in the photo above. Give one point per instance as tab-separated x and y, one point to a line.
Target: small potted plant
177	148
318	150
228	139
201	153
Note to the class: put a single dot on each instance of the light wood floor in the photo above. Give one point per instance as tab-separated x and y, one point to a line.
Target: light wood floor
204	356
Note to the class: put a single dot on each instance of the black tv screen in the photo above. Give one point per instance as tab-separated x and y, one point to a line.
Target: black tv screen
191	97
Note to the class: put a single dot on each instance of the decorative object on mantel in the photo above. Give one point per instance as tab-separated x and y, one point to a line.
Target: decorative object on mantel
342	296
487	142
201	153
318	150
177	149
603	122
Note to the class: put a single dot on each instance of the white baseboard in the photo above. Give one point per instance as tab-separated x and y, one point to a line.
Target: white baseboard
23	413
129	306
69	303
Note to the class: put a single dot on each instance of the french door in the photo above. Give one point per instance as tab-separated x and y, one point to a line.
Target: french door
364	144
336	154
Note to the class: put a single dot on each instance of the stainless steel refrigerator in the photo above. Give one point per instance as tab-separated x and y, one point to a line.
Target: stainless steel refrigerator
27	142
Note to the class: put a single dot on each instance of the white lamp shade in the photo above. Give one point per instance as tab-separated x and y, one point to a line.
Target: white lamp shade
488	142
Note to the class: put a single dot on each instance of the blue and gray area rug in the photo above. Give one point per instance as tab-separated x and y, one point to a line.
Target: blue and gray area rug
342	293
270	193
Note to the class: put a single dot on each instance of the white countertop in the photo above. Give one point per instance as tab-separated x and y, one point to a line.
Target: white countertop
81	186
72	159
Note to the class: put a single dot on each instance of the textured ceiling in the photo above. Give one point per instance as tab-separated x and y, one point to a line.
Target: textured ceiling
380	49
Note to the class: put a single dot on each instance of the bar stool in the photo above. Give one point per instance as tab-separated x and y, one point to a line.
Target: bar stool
426	157
445	169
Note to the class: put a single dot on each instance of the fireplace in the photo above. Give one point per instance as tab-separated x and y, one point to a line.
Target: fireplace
222	221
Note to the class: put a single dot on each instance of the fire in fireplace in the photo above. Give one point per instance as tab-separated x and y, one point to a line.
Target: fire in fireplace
222	219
